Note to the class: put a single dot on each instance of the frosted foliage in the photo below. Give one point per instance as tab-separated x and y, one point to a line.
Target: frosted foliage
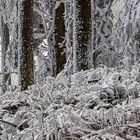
102	31
42	66
126	34
95	104
100	104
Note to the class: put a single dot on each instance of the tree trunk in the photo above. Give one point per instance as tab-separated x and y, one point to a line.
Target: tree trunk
59	34
82	35
5	43
15	46
69	37
25	31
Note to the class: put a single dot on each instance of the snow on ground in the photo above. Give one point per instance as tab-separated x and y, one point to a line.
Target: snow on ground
101	104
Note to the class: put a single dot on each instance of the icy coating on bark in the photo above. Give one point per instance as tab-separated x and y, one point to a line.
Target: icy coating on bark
82	35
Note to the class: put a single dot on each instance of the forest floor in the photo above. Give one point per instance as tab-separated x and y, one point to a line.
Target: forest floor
100	104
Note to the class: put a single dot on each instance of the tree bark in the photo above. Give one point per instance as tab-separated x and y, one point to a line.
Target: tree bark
82	35
25	31
59	34
5	43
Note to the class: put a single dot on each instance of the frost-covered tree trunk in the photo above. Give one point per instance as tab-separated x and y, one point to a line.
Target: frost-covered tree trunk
82	35
59	35
69	37
25	43
50	37
15	39
102	30
5	42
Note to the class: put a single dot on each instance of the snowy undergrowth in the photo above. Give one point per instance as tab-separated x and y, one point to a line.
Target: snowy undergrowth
101	104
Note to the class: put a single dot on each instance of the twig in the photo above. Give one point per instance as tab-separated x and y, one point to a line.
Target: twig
8	123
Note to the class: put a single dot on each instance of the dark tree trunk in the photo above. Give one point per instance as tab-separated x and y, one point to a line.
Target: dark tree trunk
59	38
15	46
82	35
5	43
25	28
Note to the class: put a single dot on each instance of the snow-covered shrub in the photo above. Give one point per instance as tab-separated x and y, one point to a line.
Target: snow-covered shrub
94	104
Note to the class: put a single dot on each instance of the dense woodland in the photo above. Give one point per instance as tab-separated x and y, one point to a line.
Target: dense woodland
70	70
67	36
